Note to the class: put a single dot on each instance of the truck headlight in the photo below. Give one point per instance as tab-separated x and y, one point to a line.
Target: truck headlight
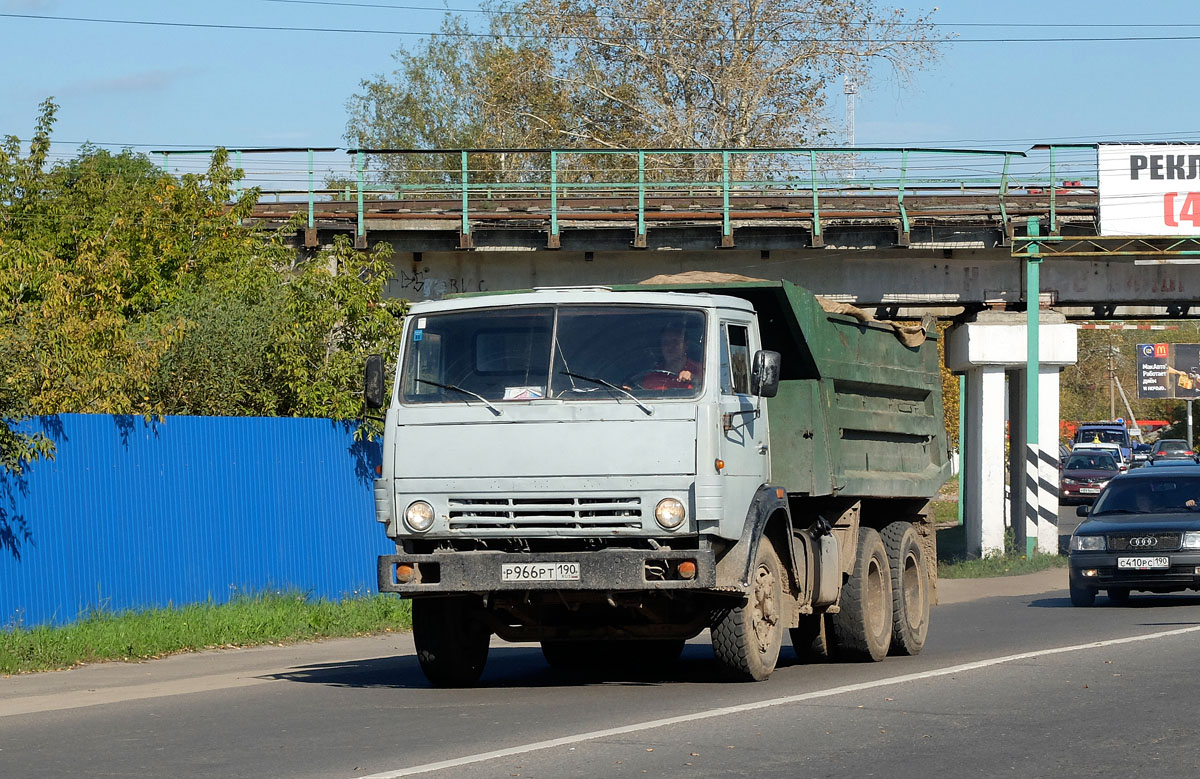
669	513
1087	543
1191	539
419	516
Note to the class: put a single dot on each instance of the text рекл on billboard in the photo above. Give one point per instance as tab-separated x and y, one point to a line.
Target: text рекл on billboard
1149	189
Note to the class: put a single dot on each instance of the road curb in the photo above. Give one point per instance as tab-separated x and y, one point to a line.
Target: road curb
964	590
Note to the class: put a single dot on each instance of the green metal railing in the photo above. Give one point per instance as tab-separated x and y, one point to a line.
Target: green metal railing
558	184
476	179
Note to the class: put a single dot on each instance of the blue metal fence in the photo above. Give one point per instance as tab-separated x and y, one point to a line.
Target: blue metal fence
133	514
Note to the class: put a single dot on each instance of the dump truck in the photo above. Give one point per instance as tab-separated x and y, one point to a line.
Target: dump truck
611	471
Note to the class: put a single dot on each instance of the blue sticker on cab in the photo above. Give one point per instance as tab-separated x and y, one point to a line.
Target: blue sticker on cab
417	334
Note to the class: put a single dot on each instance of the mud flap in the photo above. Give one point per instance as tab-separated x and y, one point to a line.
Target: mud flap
733	569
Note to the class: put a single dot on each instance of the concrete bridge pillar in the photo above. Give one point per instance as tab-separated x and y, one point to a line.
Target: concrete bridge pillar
988	349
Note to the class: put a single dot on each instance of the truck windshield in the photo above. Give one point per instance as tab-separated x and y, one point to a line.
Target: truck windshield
572	352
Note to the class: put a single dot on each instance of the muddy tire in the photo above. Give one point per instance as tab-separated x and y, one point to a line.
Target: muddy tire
811	639
451	640
910	588
862	629
746	639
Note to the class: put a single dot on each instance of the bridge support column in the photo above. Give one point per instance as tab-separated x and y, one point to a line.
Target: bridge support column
983	466
1049	434
988	349
1033	469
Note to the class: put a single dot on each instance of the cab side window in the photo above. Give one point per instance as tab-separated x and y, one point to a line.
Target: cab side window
735	359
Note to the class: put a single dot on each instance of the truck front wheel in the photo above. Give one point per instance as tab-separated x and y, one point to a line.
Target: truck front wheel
746	639
862	628
451	639
910	590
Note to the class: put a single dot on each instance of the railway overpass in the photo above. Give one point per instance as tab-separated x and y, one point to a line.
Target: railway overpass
963	234
914	231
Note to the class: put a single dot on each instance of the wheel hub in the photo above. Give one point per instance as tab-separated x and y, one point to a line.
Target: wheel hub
766	608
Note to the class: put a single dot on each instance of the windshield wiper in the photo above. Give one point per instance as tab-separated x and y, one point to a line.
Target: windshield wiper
456	388
611	386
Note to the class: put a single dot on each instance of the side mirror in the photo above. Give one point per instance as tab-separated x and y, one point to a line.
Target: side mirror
373	382
764	374
1082	511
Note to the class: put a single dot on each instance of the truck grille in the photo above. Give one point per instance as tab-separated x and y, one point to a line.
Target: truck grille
559	514
1163	542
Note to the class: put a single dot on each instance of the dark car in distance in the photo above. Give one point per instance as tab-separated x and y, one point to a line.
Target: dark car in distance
1084	474
1172	449
1143	533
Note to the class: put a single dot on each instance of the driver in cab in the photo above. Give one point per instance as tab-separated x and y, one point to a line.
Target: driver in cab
674	370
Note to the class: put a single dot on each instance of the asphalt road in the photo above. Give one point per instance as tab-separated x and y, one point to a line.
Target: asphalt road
1014	685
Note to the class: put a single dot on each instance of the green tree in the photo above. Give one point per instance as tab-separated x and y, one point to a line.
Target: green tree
1107	357
628	74
125	290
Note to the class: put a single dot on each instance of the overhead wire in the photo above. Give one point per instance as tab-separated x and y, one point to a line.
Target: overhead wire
511	11
537	36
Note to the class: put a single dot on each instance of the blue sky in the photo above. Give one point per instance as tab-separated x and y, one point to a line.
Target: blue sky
153	87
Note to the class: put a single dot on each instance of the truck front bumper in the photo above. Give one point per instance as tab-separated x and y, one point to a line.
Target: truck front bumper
608	570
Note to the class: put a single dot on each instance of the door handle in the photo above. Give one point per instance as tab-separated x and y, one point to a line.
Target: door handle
762	448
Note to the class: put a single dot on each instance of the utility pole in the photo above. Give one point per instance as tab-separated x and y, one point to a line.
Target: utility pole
850	88
1112	379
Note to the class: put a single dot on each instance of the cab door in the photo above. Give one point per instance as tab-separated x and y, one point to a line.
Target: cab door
743	438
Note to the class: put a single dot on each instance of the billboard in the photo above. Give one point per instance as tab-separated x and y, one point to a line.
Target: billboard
1149	189
1168	371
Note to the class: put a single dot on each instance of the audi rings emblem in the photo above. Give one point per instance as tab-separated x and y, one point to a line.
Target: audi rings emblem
1141	542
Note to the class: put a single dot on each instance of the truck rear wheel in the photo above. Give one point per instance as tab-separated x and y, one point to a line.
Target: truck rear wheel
746	639
451	639
862	629
910	589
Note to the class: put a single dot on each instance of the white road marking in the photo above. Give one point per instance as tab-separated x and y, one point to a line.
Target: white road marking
766	704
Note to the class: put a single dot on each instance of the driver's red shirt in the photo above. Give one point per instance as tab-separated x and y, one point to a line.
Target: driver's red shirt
666	380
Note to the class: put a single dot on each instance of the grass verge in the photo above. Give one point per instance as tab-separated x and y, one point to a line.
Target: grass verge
278	618
953	562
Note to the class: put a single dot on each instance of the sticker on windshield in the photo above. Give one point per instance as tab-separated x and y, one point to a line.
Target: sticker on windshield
524	393
418	334
421	323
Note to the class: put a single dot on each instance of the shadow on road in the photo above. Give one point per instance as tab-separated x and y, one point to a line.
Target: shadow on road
1136	601
515	666
1051	603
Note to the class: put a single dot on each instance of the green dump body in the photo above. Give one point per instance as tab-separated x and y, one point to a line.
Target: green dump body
858	413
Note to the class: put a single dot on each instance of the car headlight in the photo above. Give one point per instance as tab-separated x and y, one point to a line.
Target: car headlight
669	513
1191	539
1087	543
419	516
1069	481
